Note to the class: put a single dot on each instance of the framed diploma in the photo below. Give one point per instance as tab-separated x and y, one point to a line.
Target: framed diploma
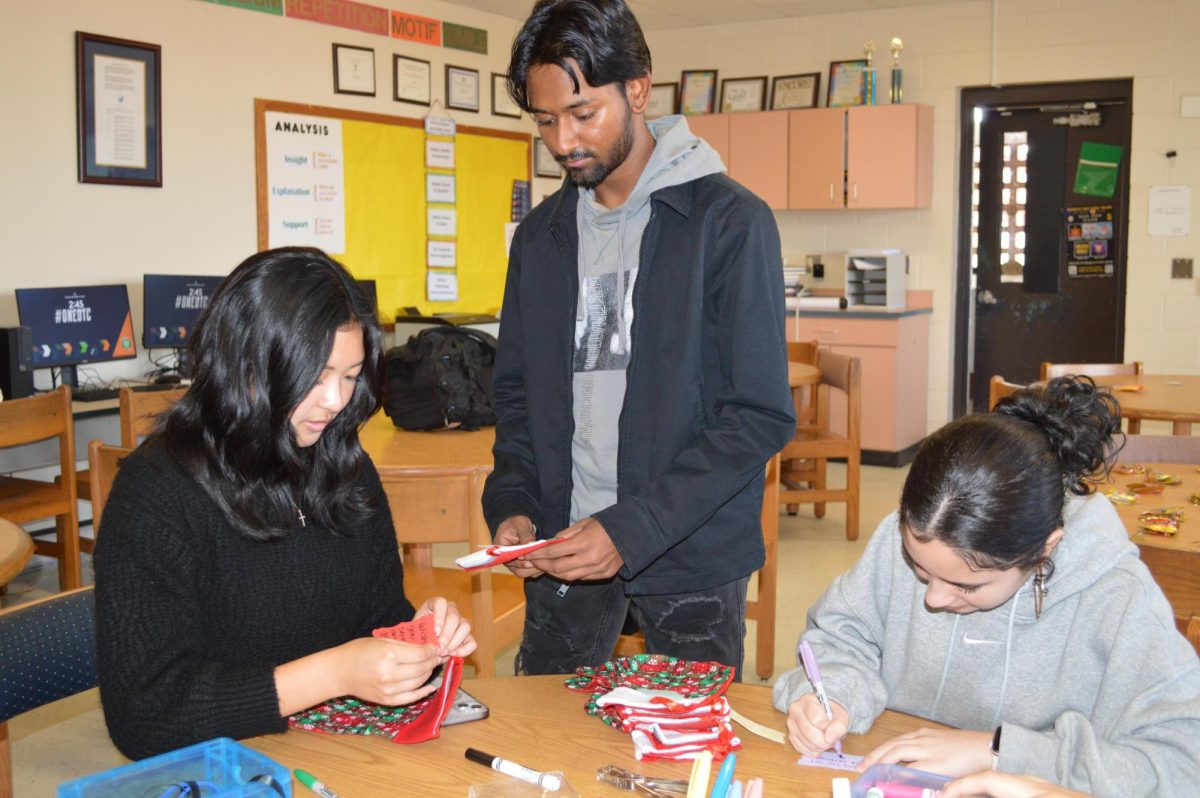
544	164
410	80
118	106
846	83
796	91
353	70
664	100
697	91
462	88
743	94
502	104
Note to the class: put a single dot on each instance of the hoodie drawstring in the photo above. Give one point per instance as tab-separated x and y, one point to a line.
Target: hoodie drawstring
622	346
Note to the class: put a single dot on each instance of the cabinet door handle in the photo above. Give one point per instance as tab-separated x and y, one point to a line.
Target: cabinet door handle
831	193
855	185
828	332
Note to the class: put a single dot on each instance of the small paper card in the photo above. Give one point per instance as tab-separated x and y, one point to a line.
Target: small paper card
418	632
831	760
495	555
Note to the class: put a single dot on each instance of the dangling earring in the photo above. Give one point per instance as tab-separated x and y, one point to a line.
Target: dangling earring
1039	588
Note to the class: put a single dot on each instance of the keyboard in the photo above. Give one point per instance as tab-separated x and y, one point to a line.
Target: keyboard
100	394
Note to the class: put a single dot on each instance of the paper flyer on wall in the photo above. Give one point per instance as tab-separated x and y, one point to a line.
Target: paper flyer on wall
306	196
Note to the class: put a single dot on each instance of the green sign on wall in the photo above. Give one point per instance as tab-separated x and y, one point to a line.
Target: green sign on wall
266	6
460	37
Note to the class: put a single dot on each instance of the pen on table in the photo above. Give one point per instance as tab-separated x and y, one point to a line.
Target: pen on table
310	781
724	776
547	781
814	675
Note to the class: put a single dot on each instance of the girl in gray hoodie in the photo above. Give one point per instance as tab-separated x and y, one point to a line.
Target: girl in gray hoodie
1005	599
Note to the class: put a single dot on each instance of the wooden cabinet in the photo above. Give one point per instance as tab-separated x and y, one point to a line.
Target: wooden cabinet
894	352
870	156
754	147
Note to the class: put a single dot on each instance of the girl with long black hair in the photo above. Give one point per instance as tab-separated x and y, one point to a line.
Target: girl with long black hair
247	548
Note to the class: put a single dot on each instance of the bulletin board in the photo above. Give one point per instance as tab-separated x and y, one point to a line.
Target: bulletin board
385	207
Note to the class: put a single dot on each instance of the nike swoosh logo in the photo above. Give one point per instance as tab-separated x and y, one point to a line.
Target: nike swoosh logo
970	641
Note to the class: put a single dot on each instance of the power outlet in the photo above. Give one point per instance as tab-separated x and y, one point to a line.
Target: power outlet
1181	268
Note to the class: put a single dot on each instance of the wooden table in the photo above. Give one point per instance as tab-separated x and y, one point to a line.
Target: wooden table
1174	561
540	724
1167	397
16	547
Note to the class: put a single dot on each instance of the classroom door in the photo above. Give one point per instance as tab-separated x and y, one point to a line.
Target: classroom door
1049	276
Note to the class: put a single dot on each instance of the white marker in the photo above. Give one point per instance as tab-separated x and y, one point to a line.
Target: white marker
547	781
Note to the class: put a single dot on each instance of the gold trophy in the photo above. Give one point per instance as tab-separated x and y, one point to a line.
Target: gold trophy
897	92
869	81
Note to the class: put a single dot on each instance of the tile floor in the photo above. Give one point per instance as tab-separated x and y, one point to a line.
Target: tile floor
46	749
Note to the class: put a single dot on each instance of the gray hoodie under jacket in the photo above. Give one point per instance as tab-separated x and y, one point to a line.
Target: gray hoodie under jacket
1100	694
610	245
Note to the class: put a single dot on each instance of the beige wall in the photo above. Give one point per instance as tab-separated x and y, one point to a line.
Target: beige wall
215	61
949	46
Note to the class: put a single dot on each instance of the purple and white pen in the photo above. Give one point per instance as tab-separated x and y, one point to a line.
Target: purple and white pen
814	675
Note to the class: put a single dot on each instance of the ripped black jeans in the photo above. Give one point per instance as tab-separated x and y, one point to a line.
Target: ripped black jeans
580	627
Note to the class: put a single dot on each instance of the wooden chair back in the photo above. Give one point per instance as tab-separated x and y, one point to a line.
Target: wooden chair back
47	652
103	462
494	603
804	398
1052	370
760	609
30	420
805	456
140	411
998	389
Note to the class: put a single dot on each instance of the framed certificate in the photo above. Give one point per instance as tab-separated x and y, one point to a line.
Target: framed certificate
410	80
502	104
796	91
743	94
697	91
846	83
544	164
353	70
462	88
664	100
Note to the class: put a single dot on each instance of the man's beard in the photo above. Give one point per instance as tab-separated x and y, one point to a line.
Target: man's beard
591	176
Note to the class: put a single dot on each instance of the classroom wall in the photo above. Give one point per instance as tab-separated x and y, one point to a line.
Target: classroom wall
949	46
215	60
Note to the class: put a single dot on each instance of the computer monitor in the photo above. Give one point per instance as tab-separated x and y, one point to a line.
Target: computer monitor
76	325
171	305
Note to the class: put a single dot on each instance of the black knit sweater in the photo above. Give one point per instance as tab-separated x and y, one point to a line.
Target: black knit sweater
193	617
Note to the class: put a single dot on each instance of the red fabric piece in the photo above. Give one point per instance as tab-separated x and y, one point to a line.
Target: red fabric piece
429	725
417	632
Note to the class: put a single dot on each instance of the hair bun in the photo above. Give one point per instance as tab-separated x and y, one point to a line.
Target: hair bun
1078	419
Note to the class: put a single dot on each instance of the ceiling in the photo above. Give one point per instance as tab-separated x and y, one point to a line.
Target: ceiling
657	15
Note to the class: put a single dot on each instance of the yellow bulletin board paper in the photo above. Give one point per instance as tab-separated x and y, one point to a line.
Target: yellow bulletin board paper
386	211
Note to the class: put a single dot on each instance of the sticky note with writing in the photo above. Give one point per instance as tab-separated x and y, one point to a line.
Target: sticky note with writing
831	760
419	632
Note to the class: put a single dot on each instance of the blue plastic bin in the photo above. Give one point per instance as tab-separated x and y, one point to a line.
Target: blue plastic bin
895	774
221	767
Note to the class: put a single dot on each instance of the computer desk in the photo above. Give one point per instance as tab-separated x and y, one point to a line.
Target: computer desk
537	722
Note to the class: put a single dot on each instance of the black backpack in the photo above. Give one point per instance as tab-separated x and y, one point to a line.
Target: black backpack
440	379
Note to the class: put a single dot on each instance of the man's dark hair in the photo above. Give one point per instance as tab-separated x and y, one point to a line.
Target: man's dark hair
601	36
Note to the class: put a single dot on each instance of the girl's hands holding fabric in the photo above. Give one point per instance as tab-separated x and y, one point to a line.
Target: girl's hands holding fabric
385	671
1006	785
947	751
810	731
452	630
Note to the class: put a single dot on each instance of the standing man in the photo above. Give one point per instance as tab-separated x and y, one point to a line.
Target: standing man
641	378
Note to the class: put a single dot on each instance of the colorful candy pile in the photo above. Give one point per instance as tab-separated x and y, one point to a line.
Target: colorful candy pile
672	708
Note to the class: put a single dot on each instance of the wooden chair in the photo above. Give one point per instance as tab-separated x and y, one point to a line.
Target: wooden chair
761	610
103	462
31	420
804	400
47	652
139	411
998	389
819	442
494	603
1052	370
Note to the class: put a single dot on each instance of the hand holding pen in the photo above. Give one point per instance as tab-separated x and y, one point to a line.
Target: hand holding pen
814	723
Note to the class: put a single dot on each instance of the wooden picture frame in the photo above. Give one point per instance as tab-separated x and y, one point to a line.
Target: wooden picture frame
663	100
846	84
411	80
544	164
697	91
502	103
119	118
743	94
462	88
353	70
795	91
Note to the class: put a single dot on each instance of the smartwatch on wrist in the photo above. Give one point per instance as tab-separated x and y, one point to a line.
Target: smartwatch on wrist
996	747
